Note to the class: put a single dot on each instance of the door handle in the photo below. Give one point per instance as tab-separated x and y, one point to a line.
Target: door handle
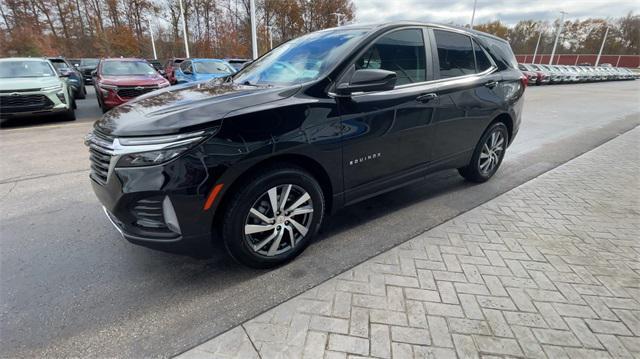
491	84
426	97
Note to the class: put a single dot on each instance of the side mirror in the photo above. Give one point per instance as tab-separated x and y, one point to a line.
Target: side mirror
161	72
367	80
93	73
65	72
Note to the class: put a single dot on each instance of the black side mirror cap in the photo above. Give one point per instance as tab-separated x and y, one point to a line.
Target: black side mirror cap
368	80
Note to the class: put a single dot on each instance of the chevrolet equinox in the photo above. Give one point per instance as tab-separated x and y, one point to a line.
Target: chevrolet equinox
323	121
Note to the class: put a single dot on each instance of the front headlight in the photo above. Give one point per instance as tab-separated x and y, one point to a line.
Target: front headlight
57	87
154	150
150	158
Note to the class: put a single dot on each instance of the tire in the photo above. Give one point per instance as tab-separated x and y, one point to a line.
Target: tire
482	169
70	115
269	248
82	93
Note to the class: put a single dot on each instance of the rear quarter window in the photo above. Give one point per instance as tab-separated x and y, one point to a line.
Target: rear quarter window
500	51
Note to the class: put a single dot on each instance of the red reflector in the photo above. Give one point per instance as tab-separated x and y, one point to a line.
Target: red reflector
212	196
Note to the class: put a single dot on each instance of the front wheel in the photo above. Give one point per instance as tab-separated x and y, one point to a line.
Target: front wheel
273	217
487	155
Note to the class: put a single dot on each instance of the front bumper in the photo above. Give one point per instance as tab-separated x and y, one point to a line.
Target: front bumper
24	104
140	202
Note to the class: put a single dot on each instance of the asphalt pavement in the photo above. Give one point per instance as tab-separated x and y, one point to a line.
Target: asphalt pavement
70	286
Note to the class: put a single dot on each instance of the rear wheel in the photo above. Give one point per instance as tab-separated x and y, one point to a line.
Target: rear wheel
273	217
487	155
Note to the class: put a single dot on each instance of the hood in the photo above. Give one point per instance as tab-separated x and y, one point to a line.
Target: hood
25	83
186	107
133	80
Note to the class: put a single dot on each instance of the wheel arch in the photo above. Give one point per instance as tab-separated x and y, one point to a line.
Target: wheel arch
507	120
304	162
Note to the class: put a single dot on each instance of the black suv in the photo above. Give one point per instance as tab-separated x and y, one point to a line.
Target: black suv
320	122
86	67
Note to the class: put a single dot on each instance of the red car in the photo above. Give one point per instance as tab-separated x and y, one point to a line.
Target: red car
119	80
170	67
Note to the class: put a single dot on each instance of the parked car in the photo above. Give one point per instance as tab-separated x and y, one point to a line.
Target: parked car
322	121
119	80
532	76
238	64
74	62
202	69
74	76
169	69
156	65
544	76
86	67
30	87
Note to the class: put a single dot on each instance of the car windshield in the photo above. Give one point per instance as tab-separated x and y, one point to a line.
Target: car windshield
12	69
89	62
301	60
126	68
212	67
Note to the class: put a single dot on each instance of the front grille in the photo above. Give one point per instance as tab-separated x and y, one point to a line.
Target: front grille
131	92
24	103
100	152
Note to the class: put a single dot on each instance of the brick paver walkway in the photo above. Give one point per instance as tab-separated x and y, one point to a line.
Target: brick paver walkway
549	269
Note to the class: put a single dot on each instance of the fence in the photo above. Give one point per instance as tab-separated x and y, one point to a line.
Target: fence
564	59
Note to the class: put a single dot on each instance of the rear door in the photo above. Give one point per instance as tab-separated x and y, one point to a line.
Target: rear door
468	98
387	134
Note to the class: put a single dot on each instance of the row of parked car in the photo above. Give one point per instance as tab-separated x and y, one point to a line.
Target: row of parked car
539	74
35	86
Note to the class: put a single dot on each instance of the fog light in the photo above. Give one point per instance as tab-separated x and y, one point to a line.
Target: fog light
169	214
61	97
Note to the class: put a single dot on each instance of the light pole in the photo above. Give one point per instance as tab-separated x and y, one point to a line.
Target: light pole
269	27
153	42
184	31
339	16
254	39
602	46
473	14
553	52
535	52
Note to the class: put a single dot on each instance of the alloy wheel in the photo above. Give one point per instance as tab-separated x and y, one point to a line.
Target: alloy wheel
278	220
492	151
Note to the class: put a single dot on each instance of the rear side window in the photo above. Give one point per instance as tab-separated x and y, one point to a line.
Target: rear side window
501	52
402	52
482	61
455	54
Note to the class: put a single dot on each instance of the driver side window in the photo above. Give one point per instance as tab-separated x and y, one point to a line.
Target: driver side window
402	52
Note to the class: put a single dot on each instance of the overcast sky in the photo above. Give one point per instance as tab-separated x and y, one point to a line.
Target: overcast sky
507	11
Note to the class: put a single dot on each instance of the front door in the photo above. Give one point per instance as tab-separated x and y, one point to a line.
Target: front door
387	134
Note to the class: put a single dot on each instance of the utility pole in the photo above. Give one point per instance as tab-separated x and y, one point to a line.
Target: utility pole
535	52
184	30
153	42
553	52
254	40
473	14
339	16
269	27
602	46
